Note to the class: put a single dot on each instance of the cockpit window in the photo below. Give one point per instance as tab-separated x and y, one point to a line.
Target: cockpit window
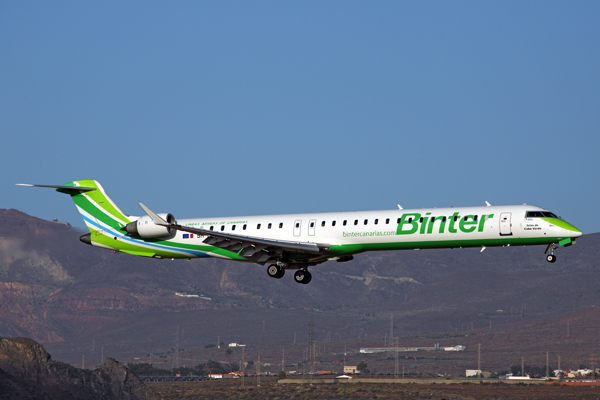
534	214
540	214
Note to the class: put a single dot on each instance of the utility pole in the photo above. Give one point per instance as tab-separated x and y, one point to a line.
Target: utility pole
568	323
283	360
396	357
479	360
391	330
102	357
593	371
258	371
218	342
243	366
176	359
294	337
311	345
522	366
547	367
83	361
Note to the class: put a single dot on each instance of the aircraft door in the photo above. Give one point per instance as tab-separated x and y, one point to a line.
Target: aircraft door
297	226
311	227
505	224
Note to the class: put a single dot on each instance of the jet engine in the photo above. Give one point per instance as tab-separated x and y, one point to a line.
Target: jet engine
146	228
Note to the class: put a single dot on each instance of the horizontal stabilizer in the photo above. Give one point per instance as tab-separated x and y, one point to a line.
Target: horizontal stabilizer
61	187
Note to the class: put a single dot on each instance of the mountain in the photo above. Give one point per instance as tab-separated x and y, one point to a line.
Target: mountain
27	372
78	299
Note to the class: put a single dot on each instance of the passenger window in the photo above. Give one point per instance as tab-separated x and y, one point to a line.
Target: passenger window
398	221
421	220
258	226
269	226
376	221
222	227
323	223
444	219
475	218
312	224
297	225
387	220
233	227
332	223
280	225
410	220
211	227
366	221
355	222
344	222
455	218
244	228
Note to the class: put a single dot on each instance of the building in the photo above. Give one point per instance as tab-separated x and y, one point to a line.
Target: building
348	369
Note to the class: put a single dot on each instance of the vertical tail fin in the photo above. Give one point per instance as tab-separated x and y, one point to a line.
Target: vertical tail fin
97	209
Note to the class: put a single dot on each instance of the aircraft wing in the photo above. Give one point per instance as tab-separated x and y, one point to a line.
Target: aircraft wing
255	249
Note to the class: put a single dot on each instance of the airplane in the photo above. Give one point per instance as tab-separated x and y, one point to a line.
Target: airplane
299	241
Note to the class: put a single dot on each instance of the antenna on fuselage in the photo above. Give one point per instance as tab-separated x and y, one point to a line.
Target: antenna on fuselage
488	204
400	207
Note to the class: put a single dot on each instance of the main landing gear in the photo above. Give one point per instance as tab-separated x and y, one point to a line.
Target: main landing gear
551	257
302	276
276	270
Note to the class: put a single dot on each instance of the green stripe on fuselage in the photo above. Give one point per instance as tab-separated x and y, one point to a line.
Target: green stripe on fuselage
347	249
562	224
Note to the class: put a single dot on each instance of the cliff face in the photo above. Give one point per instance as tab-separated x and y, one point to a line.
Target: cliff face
27	372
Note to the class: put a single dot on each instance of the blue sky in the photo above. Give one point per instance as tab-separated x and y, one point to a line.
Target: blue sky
234	108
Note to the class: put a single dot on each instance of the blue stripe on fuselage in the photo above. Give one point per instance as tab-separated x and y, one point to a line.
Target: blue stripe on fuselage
138	242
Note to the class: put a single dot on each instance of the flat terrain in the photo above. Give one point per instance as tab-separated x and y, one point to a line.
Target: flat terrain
269	389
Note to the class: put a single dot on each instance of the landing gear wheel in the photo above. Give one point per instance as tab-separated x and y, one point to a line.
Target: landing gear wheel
551	258
276	271
302	276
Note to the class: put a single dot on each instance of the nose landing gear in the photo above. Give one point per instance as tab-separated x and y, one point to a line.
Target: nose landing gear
550	257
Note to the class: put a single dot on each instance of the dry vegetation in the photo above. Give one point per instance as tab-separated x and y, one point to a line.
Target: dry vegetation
231	389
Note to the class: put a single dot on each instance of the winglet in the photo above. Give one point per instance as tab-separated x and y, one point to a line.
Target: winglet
153	216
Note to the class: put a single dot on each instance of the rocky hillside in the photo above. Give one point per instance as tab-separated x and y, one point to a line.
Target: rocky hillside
78	299
27	372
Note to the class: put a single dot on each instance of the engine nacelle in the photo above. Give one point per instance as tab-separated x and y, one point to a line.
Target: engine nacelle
146	228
